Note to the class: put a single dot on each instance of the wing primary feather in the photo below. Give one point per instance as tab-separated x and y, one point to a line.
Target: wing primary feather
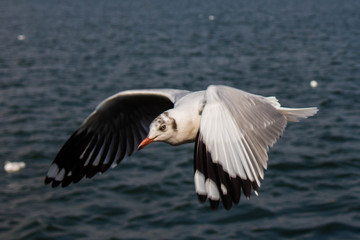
95	154
199	165
246	187
96	165
226	154
79	169
224	187
135	127
129	136
114	148
85	155
68	155
244	160
144	128
90	149
143	131
258	159
122	141
235	189
253	162
130	141
217	180
86	149
138	134
255	187
212	182
252	174
258	149
98	157
113	144
118	156
269	139
238	163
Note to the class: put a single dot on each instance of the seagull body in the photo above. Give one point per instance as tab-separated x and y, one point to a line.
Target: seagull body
232	131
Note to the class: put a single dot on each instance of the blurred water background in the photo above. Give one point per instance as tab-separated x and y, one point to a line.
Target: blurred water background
59	59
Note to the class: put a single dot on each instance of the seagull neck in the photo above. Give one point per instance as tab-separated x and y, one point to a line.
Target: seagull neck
188	123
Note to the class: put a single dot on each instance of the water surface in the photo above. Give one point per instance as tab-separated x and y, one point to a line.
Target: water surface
75	54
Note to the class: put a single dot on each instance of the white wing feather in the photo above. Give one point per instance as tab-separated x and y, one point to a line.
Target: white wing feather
238	128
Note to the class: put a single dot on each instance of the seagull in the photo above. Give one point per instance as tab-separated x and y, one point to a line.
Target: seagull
232	130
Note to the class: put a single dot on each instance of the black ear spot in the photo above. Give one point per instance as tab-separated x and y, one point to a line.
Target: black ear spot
174	125
162	127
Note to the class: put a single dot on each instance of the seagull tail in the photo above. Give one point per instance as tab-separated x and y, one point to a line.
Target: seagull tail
295	114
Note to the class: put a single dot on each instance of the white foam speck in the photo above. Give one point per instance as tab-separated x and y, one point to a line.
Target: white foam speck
313	84
21	37
211	17
13	166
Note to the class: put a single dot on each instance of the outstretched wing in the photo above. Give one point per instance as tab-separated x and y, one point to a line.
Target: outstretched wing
236	130
110	133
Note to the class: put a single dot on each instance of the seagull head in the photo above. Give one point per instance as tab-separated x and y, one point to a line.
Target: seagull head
162	129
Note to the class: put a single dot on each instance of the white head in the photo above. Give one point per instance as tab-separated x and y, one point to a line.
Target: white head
162	129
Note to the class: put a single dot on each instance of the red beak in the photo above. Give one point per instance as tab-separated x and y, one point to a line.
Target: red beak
145	142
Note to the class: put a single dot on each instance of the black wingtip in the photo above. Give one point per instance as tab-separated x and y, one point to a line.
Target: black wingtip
202	198
214	204
66	182
229	188
236	189
55	183
47	180
104	167
92	171
226	200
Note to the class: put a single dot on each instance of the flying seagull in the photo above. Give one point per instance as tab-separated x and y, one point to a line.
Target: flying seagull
232	131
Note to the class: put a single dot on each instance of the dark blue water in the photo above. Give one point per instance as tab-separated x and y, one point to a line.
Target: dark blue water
76	53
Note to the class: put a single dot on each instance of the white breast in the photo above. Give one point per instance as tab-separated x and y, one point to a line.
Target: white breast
187	113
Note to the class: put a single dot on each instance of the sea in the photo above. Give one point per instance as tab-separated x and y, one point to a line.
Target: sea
60	59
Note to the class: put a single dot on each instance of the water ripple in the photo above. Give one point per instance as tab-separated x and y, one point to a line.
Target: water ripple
74	54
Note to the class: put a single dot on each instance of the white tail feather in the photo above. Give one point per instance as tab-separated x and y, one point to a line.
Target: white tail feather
295	114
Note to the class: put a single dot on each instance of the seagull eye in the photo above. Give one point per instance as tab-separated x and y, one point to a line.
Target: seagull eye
162	127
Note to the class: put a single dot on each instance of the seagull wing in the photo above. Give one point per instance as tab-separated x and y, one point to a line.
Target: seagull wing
236	131
111	132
